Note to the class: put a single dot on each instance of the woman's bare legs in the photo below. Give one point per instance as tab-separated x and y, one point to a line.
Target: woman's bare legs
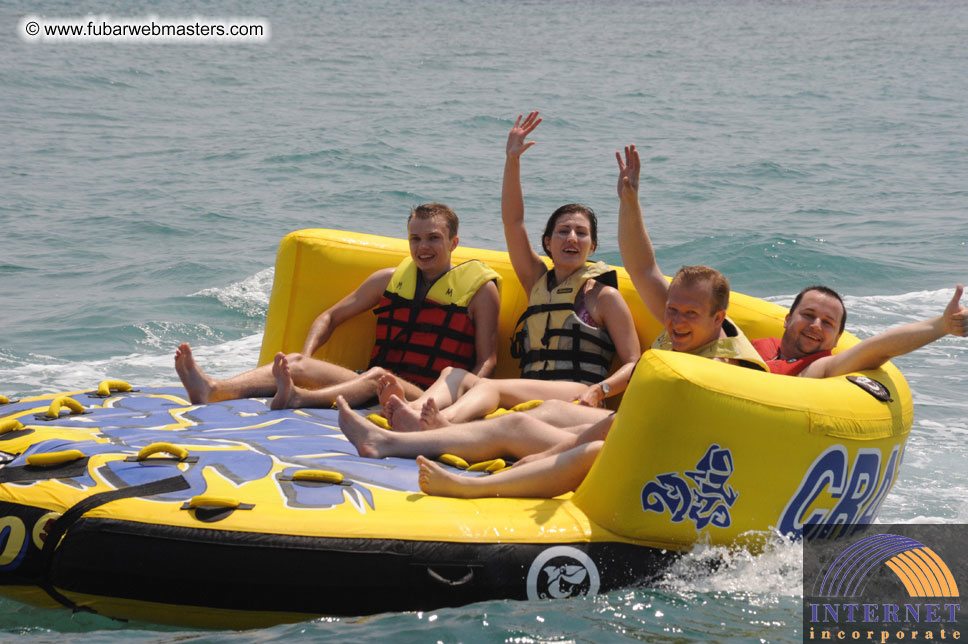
561	413
513	435
545	478
489	394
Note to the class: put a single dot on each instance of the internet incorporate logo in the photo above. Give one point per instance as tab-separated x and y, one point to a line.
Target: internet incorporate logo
917	567
885	587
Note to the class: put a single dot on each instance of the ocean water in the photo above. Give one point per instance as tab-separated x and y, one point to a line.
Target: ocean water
144	188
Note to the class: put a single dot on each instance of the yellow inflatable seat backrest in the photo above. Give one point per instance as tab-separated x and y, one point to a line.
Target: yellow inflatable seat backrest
315	268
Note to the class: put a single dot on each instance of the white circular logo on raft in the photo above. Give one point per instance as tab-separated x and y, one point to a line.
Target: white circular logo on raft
560	572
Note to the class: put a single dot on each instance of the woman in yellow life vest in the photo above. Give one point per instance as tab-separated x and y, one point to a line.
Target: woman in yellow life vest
575	324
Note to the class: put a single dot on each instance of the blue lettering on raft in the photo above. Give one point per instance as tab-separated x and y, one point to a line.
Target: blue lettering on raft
858	491
701	495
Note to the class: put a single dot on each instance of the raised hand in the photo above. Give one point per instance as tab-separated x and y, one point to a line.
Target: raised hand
955	316
628	173
516	143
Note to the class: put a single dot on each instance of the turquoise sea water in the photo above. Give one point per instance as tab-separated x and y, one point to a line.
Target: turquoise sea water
144	187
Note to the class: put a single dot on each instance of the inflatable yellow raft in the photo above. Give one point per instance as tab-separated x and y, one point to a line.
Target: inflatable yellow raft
139	505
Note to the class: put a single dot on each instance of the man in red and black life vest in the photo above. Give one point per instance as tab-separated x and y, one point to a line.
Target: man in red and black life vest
814	325
430	315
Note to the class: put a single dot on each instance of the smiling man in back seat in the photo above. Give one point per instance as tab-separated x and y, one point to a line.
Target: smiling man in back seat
816	321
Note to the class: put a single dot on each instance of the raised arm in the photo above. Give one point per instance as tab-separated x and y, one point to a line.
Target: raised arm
633	240
875	351
484	309
365	297
527	264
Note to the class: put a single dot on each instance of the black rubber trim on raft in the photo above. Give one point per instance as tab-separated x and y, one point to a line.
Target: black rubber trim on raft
16	433
76	512
30	473
95	394
212	514
875	388
154	460
227	569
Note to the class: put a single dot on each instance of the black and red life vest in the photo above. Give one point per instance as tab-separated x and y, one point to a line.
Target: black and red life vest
769	349
417	339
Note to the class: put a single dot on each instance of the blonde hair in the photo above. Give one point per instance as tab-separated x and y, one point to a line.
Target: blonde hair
719	285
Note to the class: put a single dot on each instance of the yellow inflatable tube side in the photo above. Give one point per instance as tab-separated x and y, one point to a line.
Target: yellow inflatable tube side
704	448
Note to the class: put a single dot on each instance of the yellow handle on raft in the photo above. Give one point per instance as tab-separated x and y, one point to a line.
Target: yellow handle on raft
10	425
4	400
206	501
379	421
492	465
319	476
54	458
453	461
157	448
107	386
64	401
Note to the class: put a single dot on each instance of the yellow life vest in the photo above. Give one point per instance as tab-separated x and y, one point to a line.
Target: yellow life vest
733	347
554	343
418	338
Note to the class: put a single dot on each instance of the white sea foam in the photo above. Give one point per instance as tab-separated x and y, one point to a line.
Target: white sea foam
44	374
249	296
775	571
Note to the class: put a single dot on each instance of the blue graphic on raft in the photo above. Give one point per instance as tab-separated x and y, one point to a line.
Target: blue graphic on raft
701	495
239	440
856	492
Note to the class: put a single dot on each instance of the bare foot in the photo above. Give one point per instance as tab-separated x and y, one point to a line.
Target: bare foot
368	439
388	385
401	416
287	394
197	384
430	416
437	481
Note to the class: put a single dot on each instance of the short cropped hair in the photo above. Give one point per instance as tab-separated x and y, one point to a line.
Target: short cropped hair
431	210
826	290
567	209
719	285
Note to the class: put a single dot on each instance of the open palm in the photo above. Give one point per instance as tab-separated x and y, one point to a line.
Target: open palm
516	139
628	173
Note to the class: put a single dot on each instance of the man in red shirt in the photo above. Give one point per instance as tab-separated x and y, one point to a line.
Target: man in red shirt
814	325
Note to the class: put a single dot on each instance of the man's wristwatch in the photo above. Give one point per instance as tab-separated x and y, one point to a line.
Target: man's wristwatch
605	388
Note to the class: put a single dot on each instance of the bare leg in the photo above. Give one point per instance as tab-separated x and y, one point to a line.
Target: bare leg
546	478
451	385
567	414
307	373
513	435
356	390
198	385
487	395
285	389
